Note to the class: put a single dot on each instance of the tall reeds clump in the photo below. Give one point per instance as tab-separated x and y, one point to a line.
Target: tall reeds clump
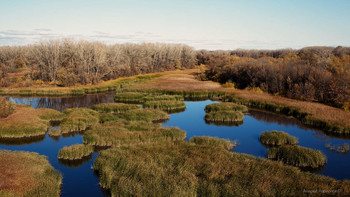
145	115
166	105
224	116
214	141
28	174
189	169
27	122
277	138
114	107
163	97
298	156
124	133
75	152
78	119
6	108
130	97
225	106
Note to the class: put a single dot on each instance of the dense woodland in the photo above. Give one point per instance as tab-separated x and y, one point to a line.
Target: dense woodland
320	74
69	62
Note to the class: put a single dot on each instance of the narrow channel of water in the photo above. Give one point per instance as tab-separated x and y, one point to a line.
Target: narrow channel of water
80	179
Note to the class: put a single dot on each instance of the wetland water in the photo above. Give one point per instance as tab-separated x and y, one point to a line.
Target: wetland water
80	179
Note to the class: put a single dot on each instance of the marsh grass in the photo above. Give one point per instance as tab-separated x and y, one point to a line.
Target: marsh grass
114	107
27	174
277	138
214	141
130	97
145	115
166	105
163	97
225	106
189	169
298	156
27	122
121	133
224	116
78	119
53	132
75	152
339	148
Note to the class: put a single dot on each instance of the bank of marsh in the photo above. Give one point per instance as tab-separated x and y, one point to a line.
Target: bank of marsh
27	174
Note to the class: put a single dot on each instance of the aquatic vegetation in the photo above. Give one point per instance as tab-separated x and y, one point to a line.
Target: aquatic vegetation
78	119
224	116
189	169
225	106
129	133
145	115
129	97
75	152
214	141
277	138
114	107
6	108
27	122
297	156
339	148
166	105
163	97
54	132
27	174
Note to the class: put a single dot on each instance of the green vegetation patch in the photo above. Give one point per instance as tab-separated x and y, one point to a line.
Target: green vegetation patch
27	122
214	141
163	97
114	107
166	105
298	156
130	97
189	169
224	116
277	138
123	132
145	115
75	152
78	119
225	106
27	174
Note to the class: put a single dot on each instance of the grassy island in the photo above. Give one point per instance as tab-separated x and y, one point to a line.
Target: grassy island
277	138
166	105
75	152
224	116
225	106
297	156
146	115
27	174
78	119
114	107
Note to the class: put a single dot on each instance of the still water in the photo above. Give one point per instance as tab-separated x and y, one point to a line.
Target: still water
80	180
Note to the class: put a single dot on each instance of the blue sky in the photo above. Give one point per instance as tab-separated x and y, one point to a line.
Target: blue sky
215	24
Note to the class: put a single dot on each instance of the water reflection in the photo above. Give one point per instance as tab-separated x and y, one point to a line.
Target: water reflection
62	103
21	141
75	163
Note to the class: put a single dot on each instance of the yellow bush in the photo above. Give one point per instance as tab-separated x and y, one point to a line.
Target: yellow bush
228	85
346	106
256	90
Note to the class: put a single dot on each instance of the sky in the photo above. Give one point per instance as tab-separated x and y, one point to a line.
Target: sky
203	24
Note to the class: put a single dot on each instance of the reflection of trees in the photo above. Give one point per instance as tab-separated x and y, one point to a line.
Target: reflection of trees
62	103
275	118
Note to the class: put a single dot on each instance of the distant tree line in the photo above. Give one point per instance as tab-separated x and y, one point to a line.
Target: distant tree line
320	74
68	62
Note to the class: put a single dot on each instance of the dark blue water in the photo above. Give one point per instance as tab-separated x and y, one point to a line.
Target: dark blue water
80	180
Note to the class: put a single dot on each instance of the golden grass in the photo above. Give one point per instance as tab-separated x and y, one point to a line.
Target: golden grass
27	122
27	174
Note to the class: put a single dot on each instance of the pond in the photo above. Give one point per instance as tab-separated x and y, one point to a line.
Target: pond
80	180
